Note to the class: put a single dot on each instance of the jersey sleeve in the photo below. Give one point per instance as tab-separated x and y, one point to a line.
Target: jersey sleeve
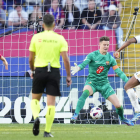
113	62
32	44
64	45
0	55
137	39
86	61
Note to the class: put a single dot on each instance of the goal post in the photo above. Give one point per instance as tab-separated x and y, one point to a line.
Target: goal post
15	84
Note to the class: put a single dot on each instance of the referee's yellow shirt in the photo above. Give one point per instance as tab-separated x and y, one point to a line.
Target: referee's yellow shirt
47	46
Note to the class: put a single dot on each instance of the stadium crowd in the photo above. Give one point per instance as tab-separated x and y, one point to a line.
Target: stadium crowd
68	14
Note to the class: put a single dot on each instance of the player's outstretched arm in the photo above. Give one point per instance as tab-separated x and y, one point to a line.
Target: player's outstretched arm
4	62
125	44
75	69
67	67
120	73
81	66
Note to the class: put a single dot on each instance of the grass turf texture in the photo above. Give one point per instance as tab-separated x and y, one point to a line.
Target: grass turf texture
71	132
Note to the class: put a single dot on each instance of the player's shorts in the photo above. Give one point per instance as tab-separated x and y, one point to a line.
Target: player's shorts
137	75
49	80
106	90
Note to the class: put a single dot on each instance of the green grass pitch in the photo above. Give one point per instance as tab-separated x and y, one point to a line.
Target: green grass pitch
71	132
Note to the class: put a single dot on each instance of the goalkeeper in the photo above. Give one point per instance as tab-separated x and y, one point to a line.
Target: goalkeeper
134	80
100	62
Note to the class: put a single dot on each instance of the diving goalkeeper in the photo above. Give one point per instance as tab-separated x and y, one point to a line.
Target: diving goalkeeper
100	62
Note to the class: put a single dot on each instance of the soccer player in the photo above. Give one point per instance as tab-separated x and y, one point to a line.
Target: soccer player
47	47
4	61
133	81
100	62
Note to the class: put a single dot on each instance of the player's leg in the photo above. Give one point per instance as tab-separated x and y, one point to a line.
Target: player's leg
132	94
52	90
49	115
81	101
119	109
37	90
109	94
35	107
88	90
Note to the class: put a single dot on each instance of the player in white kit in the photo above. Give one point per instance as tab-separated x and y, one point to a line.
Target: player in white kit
133	81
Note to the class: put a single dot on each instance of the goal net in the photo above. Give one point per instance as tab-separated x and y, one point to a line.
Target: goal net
15	83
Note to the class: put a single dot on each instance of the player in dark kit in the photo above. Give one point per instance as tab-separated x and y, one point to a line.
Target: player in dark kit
100	62
133	81
45	50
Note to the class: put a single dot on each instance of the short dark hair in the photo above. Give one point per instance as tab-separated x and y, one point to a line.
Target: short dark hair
104	38
17	4
48	20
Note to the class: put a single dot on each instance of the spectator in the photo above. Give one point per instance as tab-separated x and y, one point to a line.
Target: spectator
106	3
35	14
80	4
30	5
72	15
2	16
58	14
10	4
91	17
47	5
18	17
111	20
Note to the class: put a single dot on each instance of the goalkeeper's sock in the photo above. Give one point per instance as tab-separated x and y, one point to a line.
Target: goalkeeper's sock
49	118
35	107
134	99
120	112
81	101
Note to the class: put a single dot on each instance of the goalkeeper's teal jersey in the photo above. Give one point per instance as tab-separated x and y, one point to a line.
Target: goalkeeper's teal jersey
99	66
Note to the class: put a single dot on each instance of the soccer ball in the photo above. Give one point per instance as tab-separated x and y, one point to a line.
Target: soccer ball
96	113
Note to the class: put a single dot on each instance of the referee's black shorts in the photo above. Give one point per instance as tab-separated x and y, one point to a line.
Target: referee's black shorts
49	80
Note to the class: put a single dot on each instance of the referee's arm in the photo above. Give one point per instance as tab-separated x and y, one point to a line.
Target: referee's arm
67	67
31	60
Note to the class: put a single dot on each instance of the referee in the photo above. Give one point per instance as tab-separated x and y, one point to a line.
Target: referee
45	50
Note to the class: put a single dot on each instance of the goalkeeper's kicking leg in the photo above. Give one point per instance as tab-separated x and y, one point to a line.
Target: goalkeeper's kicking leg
119	109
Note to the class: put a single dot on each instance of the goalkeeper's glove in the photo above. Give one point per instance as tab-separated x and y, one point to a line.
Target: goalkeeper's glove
74	69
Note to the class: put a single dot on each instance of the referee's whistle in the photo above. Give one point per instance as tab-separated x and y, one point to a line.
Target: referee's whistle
49	67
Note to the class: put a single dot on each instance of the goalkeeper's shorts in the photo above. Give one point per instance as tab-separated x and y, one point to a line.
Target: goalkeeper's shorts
137	75
106	90
49	80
